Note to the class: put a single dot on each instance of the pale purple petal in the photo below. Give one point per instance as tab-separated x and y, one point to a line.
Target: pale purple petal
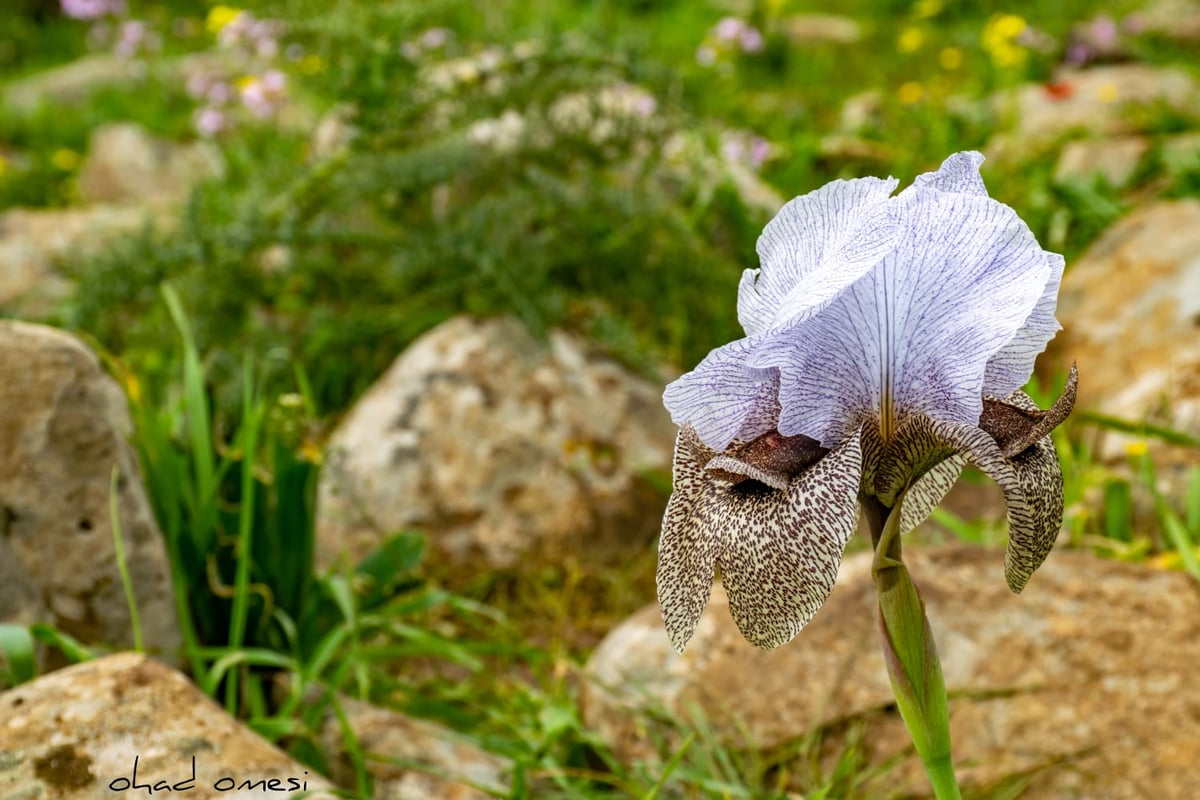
816	246
724	398
1009	369
914	334
959	174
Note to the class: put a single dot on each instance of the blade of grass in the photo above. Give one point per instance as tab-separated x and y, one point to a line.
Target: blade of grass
17	650
1148	430
251	417
122	564
1173	526
670	767
75	651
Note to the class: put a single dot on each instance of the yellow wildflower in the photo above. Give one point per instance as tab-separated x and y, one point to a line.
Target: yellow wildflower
1000	39
64	159
910	40
311	64
133	388
924	9
219	17
910	92
950	58
1108	93
1136	449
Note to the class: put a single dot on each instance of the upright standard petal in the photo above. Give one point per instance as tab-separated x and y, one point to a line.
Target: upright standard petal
914	334
816	246
724	398
959	174
1010	368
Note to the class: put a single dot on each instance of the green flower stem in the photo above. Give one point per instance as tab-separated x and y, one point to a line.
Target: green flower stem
910	654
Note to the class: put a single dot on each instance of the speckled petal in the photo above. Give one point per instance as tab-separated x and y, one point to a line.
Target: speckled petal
687	551
782	550
923	496
816	246
725	399
1031	536
1033	493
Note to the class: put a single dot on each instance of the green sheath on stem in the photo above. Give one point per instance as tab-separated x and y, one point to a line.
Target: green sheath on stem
910	654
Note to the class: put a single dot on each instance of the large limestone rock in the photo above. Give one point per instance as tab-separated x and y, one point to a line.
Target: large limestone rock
1086	681
412	759
75	735
1130	309
64	426
125	164
500	447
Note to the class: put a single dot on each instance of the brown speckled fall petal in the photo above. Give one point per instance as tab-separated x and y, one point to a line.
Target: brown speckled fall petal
923	496
687	551
779	550
1041	480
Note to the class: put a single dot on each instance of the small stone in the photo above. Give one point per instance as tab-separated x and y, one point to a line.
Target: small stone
813	28
1130	309
417	760
1097	101
33	242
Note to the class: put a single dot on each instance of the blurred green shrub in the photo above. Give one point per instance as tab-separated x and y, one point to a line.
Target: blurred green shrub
534	179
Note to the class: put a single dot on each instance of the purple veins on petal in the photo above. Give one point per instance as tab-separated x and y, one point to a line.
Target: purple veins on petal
1009	369
959	174
914	334
724	398
816	246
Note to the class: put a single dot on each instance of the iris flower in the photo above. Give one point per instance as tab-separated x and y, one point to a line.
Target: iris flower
887	339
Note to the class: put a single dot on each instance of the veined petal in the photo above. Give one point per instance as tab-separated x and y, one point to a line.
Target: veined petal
724	398
781	550
816	246
1022	432
1010	368
923	496
1034	529
959	174
1033	493
914	334
687	551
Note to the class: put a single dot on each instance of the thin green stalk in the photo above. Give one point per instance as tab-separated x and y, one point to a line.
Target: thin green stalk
241	590
910	653
122	564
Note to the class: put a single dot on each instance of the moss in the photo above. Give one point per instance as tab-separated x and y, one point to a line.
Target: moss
64	768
